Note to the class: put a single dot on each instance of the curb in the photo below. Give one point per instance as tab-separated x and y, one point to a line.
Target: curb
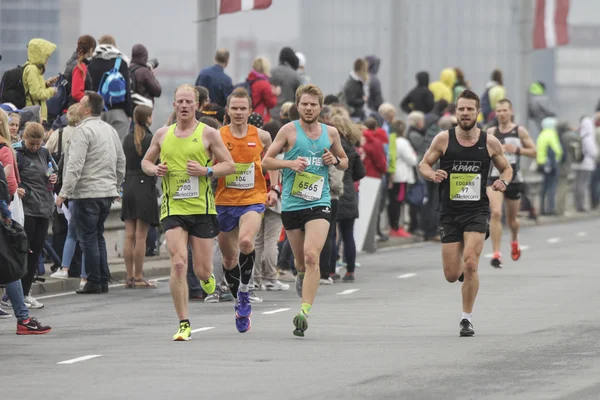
157	267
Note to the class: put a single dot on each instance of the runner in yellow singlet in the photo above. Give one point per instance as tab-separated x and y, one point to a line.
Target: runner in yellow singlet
188	212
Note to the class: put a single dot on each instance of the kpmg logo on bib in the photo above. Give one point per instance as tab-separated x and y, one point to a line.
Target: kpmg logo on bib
466	166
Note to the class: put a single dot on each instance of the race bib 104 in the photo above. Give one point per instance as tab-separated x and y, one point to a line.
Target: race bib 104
308	186
243	178
186	186
465	187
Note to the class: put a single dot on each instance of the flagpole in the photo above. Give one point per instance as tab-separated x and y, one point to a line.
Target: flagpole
526	48
206	32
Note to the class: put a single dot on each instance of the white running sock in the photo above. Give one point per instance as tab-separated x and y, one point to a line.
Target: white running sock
466	316
243	288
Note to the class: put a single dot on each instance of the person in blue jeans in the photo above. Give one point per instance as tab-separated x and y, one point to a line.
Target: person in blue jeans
93	172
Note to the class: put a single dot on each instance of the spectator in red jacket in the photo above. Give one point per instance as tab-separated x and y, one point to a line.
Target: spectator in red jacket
86	45
372	154
264	96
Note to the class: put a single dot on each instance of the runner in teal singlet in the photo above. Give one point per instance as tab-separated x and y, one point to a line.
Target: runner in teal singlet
310	147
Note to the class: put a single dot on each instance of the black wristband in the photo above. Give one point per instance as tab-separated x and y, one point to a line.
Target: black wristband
504	182
338	161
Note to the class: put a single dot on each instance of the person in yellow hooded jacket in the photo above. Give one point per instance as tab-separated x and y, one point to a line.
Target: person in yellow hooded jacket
442	89
38	90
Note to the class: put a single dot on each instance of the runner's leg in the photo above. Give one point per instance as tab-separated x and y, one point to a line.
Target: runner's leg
472	251
177	239
496	199
512	210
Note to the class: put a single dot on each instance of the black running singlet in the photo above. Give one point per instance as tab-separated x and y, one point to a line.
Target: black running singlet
512	137
463	192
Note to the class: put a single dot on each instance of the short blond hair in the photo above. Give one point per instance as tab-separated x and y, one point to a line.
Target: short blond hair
339	110
414	117
385	108
310	89
262	65
72	117
239	93
285	108
189	87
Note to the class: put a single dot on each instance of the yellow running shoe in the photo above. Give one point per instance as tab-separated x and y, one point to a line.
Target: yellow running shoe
209	285
184	333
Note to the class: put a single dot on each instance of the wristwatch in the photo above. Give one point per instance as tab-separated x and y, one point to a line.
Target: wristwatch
209	172
338	160
505	183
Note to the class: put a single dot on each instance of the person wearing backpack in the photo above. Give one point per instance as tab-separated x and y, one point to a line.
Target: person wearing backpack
38	90
585	168
109	69
263	94
494	91
144	85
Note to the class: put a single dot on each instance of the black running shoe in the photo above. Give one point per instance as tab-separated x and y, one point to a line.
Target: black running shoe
461	278
466	328
496	263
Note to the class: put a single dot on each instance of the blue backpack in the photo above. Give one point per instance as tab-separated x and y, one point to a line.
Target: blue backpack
486	107
113	87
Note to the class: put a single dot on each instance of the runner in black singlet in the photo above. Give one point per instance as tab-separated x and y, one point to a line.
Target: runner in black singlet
516	143
465	154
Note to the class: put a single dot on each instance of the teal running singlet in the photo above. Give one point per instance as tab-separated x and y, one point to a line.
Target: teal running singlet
309	188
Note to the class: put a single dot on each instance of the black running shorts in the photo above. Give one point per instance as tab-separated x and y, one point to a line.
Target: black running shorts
298	219
452	227
203	226
512	192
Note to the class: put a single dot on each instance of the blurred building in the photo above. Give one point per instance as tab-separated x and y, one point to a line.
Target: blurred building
57	21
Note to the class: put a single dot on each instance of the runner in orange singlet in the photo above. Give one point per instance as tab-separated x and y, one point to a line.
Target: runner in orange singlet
241	200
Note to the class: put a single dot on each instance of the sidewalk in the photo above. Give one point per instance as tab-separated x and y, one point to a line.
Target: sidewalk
159	266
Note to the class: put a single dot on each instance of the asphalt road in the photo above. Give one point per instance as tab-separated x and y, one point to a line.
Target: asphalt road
393	334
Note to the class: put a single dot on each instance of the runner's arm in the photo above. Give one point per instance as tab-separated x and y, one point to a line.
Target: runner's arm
337	150
149	162
265	138
269	161
500	162
432	155
528	149
225	164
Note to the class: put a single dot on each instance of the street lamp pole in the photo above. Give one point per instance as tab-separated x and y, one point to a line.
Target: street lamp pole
206	37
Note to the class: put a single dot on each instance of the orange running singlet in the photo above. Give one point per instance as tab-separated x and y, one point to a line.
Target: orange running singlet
247	185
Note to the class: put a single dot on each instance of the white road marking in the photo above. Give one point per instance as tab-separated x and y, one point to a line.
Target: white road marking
116	285
78	359
525	247
276	311
404	276
206	328
553	240
489	255
581	234
402	246
348	291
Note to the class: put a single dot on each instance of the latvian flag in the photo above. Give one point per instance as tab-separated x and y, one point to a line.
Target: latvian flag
550	25
233	6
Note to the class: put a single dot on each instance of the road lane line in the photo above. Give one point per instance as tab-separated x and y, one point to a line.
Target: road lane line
525	247
276	311
348	291
553	240
206	328
78	359
581	234
404	276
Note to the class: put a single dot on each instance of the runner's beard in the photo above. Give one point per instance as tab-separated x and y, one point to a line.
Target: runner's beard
309	121
466	127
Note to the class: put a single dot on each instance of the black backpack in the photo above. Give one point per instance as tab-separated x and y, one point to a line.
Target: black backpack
59	160
12	89
13	240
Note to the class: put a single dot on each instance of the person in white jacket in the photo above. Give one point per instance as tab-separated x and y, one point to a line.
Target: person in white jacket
406	161
584	170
